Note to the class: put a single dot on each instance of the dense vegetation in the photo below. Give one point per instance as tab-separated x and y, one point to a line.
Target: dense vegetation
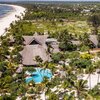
65	22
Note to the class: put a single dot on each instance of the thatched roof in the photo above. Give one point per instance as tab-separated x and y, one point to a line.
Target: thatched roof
38	38
31	51
49	40
36	46
27	39
94	39
55	46
41	38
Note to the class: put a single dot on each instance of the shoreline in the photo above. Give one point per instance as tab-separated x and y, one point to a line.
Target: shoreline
10	17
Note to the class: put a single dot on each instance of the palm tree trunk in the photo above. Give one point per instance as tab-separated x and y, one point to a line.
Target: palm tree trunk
78	95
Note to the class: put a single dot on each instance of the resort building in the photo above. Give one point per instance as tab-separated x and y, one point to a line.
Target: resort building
42	46
38	46
94	40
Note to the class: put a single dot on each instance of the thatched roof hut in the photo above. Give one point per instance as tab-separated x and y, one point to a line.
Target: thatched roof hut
39	39
30	52
94	40
37	46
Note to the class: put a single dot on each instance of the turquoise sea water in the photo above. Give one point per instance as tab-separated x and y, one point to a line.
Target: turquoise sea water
5	10
38	75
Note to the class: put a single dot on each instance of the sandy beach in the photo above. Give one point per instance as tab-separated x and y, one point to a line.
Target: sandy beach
8	19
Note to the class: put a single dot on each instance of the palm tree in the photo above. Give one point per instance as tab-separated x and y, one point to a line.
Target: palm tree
53	96
80	87
39	60
69	96
52	67
72	83
45	86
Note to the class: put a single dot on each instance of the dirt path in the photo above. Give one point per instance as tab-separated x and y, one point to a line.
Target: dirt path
96	50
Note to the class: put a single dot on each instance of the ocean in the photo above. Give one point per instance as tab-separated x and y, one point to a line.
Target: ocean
4	10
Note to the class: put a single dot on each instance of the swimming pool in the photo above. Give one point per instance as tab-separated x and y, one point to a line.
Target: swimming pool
38	75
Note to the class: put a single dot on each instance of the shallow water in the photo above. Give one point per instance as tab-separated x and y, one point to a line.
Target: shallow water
5	10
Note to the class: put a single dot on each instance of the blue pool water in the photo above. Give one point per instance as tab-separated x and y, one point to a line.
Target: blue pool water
38	75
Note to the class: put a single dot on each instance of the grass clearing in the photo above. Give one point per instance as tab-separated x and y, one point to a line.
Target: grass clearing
76	28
